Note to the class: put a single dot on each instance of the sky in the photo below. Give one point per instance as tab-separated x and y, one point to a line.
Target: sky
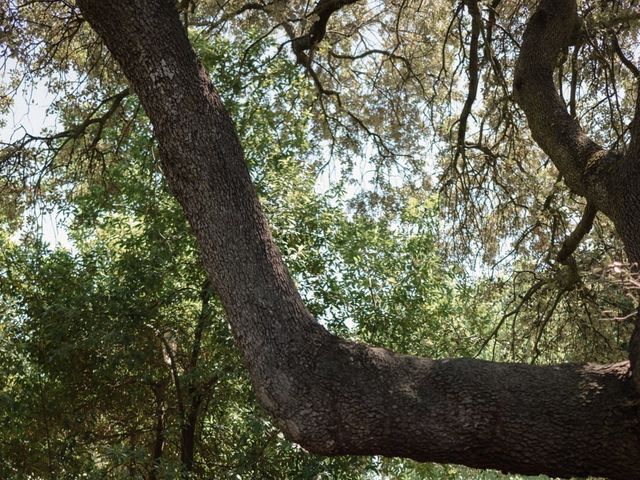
29	114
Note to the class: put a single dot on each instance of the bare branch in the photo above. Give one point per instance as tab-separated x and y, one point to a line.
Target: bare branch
627	63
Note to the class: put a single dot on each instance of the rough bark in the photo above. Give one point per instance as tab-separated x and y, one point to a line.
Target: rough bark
609	180
581	161
330	395
630	226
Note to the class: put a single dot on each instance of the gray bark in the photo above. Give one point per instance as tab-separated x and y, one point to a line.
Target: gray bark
609	180
333	396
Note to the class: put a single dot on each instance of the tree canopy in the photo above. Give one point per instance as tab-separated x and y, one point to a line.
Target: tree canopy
316	240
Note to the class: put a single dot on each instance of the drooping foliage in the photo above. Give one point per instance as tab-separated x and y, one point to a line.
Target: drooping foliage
114	342
389	157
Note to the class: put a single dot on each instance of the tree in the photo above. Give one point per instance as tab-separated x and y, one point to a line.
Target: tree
337	397
117	347
126	360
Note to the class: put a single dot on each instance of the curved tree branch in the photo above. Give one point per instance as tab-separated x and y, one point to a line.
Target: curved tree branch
330	395
625	61
633	151
609	181
572	242
585	166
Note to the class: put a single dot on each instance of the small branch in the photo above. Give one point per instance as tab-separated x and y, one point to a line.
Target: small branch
203	321
545	322
626	62
74	132
572	242
158	444
476	21
173	366
512	313
306	61
323	11
244	8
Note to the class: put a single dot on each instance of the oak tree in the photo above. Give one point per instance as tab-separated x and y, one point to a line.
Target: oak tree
335	396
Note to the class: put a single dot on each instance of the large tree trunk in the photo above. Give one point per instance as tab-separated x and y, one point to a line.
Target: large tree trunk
329	395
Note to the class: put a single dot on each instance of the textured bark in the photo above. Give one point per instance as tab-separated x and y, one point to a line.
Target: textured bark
581	161
329	395
609	180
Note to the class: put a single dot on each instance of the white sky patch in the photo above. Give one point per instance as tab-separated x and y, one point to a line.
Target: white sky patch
29	111
30	114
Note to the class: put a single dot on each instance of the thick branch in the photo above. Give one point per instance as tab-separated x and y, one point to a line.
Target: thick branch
609	181
332	396
584	165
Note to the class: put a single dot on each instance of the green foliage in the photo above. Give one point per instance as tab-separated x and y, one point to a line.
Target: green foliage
109	345
99	340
